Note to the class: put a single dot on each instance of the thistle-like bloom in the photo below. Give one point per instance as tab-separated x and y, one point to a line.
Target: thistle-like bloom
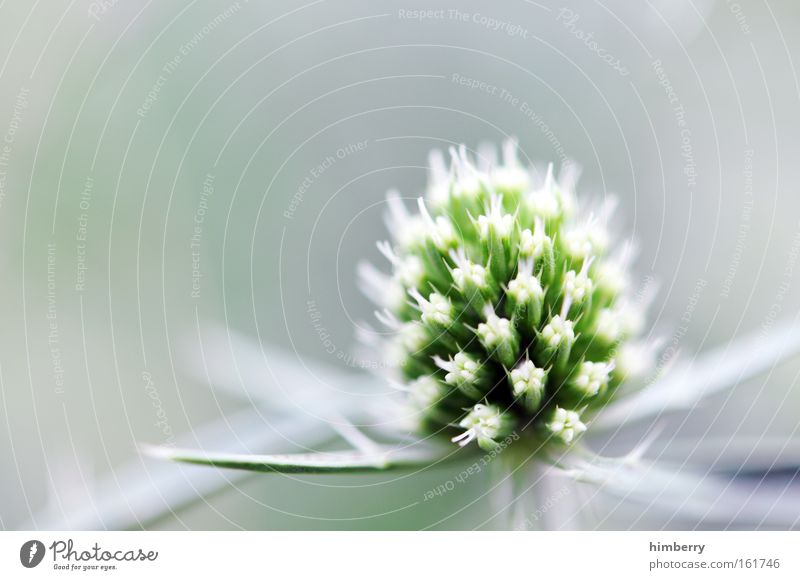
509	281
513	322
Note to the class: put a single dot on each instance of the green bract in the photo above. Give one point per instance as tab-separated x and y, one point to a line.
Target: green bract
508	309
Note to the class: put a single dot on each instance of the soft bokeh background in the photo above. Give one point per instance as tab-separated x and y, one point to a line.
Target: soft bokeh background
160	178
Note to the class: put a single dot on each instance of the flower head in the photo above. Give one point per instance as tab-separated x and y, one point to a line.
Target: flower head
512	322
517	309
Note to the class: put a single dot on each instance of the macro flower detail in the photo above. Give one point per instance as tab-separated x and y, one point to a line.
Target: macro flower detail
521	320
511	325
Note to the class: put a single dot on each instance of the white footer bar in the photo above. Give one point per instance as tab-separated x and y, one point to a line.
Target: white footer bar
356	555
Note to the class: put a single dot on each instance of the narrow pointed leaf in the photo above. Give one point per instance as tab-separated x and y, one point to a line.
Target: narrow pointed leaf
383	459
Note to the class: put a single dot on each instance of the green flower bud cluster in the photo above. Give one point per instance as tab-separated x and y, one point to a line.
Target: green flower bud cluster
509	311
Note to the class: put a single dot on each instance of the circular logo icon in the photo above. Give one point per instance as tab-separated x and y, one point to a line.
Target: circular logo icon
31	553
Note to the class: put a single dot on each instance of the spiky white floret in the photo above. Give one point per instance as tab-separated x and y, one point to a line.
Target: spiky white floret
567	201
527	244
525	286
395	352
533	244
466	187
436	309
631	317
461	369
468	181
495	331
440	230
407	230
510	179
544	203
443	233
565	424
425	392
558	332
409	270
439	179
622	321
510	176
607	326
397	214
598	237
496	221
484	423
577	244
593	376
467	272
588	239
412	336
412	233
612	277
383	290
527	378
636	359
577	287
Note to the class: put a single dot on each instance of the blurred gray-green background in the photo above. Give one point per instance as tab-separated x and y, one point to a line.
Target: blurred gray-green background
168	168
